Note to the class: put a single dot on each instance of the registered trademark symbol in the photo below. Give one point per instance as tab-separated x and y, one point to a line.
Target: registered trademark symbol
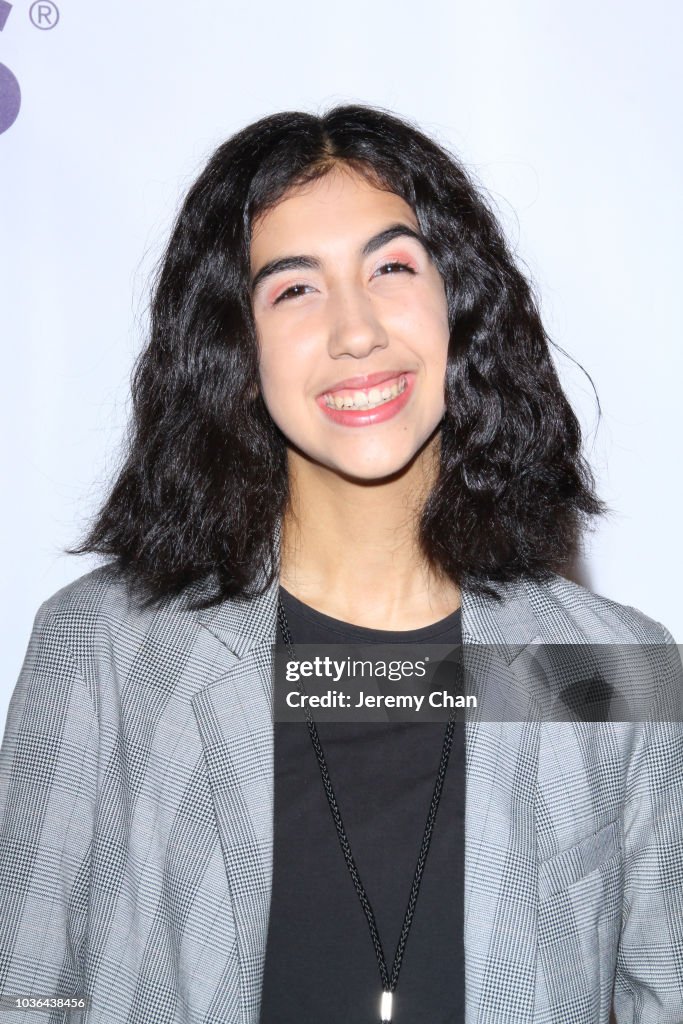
44	14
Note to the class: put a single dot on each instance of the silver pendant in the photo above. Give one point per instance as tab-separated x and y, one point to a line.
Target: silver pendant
385	1007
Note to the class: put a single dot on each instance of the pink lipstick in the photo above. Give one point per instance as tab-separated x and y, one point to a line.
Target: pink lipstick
338	406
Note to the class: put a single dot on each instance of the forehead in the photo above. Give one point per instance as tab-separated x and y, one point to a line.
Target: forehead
340	207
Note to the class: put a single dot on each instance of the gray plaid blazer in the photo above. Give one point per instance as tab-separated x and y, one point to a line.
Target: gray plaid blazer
136	820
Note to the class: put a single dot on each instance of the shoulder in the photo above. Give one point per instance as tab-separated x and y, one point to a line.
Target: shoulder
562	607
94	592
100	614
619	645
95	598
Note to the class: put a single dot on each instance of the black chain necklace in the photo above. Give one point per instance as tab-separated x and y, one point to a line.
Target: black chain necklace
389	983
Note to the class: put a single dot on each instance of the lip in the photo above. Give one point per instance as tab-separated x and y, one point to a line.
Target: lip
365	418
368	380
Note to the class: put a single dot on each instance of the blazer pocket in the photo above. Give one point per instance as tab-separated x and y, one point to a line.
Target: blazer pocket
569	866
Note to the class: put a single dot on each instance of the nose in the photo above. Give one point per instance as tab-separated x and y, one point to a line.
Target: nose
354	327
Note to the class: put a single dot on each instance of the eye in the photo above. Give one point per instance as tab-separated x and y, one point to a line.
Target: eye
290	292
394	266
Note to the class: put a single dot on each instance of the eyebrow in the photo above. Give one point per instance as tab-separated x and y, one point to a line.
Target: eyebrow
311	263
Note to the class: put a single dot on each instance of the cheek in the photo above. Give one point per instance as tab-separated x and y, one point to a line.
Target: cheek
273	386
277	395
283	375
424	304
268	370
273	361
289	354
425	323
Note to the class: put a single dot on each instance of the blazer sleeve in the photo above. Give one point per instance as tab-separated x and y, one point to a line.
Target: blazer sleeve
48	795
649	969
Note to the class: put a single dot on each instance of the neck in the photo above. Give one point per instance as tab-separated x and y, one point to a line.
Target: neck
349	548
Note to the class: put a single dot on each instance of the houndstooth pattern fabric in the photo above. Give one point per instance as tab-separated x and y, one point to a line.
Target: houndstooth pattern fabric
136	802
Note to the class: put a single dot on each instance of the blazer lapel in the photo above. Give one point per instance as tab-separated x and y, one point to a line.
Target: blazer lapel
233	713
234	718
500	831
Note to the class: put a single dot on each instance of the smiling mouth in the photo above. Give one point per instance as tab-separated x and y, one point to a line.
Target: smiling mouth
370	398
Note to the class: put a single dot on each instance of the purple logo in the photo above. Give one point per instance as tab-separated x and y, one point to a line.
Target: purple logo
44	14
5	8
10	93
10	98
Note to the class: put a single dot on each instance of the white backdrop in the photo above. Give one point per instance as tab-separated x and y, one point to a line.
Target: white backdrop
568	114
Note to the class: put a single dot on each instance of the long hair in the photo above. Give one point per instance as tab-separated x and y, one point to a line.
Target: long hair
203	483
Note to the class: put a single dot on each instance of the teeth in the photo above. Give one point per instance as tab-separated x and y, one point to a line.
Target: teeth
367	399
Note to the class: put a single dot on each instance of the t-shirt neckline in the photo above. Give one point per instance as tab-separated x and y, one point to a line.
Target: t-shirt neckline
434	629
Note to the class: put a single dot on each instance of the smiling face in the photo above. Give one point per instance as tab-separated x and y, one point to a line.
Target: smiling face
352	326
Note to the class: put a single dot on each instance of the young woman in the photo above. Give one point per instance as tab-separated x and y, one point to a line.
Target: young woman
347	429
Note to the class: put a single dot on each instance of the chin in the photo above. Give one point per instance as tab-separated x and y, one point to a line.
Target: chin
369	461
367	470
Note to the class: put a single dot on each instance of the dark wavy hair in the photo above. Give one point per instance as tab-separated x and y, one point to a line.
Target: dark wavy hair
204	481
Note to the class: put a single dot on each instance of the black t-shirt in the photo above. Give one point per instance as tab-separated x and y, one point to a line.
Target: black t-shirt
320	961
